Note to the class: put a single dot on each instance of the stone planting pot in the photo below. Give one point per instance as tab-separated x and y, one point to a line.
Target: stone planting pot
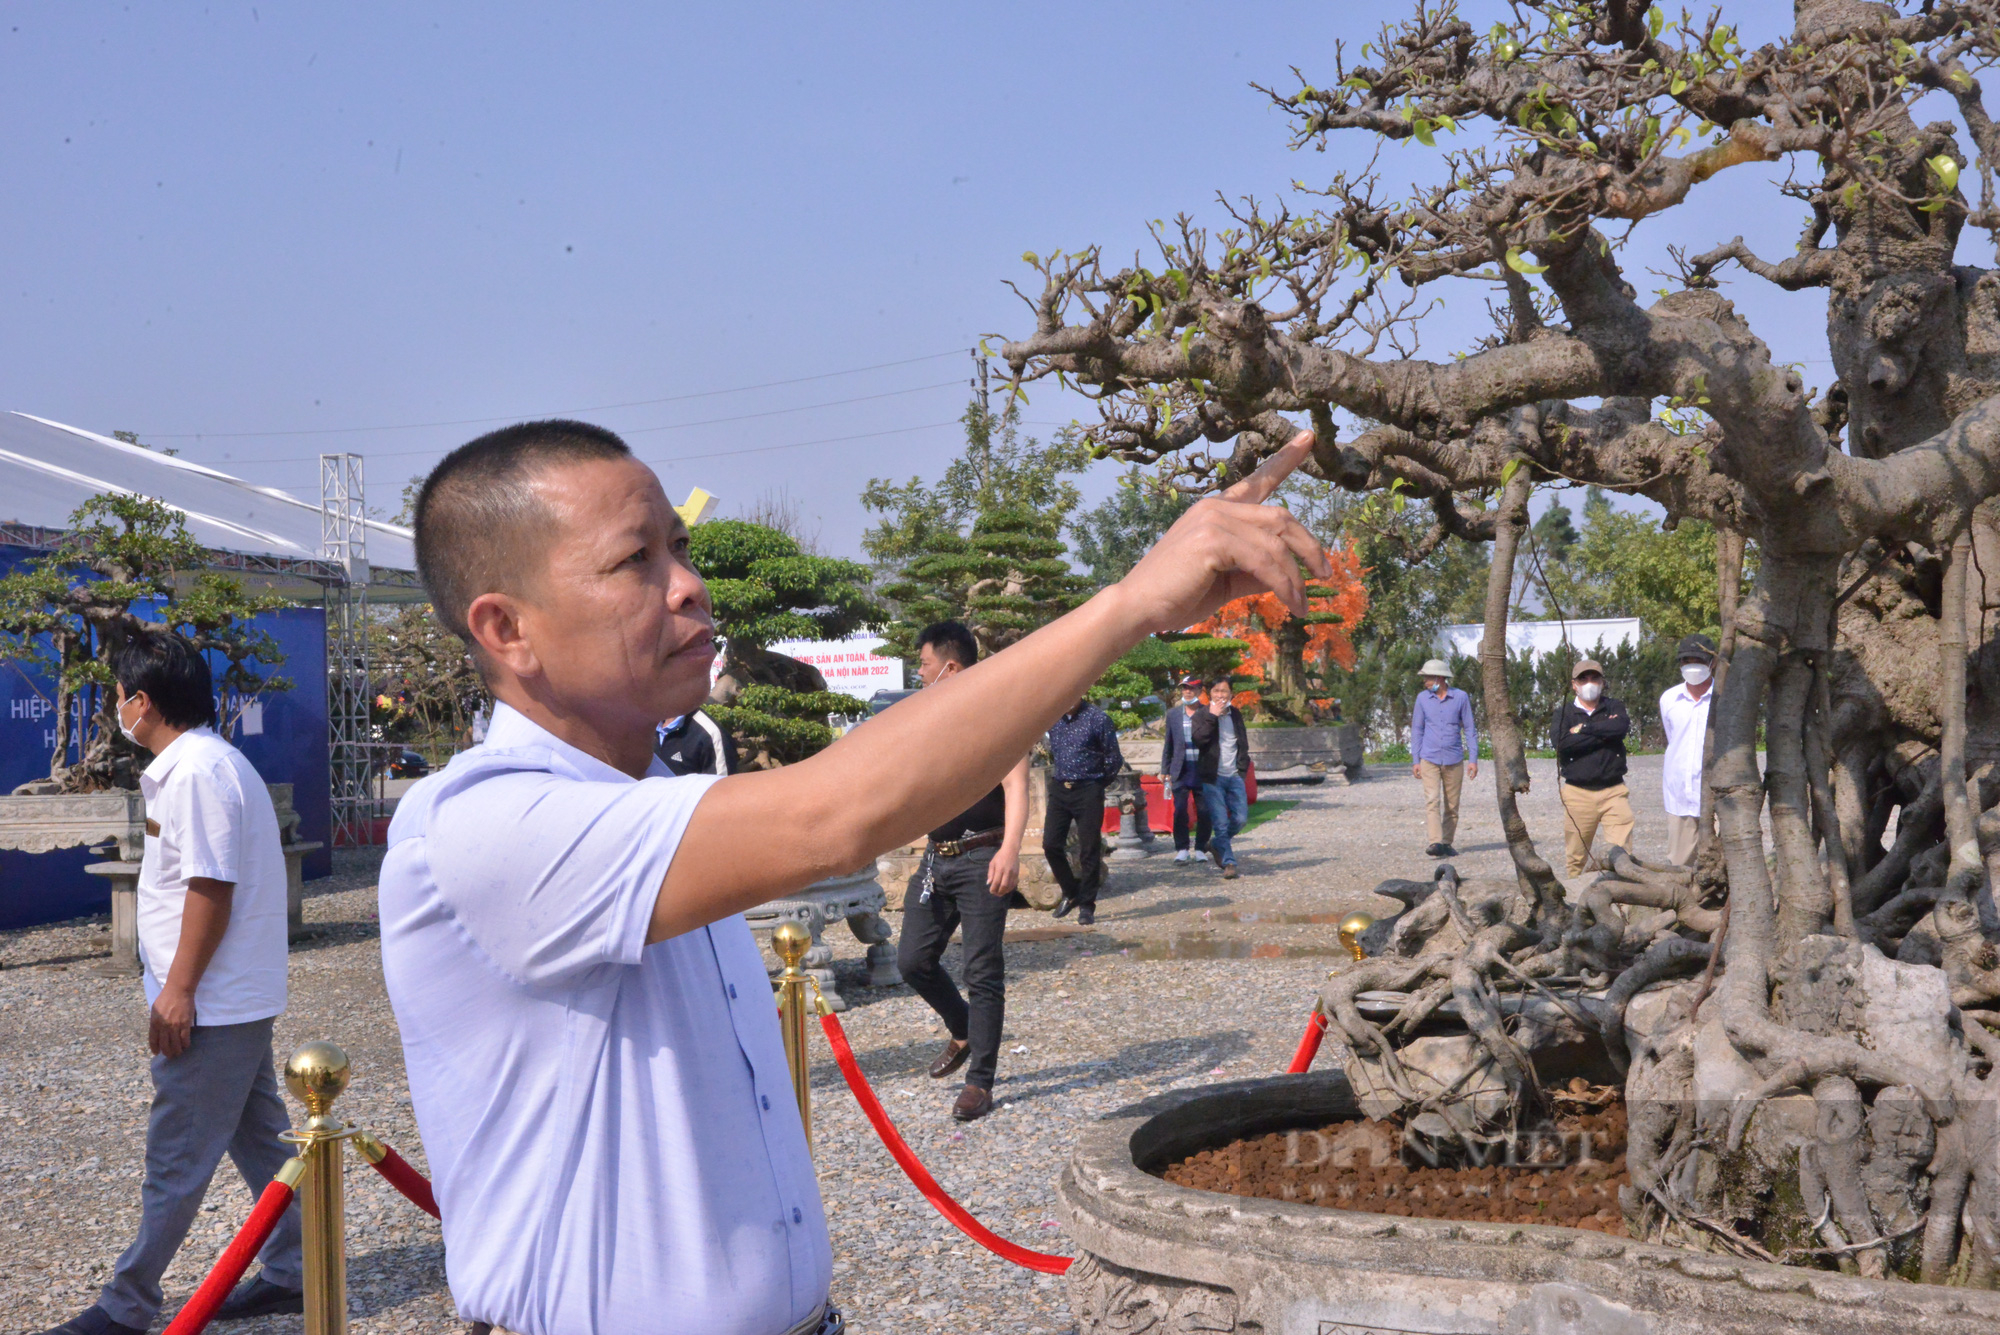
1163	1260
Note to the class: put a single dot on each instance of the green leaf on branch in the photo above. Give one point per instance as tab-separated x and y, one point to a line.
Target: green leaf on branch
1518	264
1945	170
1656	21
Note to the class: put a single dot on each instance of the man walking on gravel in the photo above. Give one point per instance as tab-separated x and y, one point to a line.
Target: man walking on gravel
212	939
1225	754
1180	774
1589	738
1444	752
1684	715
1084	756
965	883
594	1061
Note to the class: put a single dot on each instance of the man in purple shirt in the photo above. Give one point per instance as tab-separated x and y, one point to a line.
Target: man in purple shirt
1444	752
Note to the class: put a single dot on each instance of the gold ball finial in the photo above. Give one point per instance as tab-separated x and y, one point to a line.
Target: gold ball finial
316	1075
791	942
1351	928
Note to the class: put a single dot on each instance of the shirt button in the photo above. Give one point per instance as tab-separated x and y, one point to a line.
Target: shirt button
797	1218
765	1099
732	991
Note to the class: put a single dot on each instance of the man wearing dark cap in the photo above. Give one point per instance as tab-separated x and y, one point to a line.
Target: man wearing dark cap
1180	773
1589	738
1684	714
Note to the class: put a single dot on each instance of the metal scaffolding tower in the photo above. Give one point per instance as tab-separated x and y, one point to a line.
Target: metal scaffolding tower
343	539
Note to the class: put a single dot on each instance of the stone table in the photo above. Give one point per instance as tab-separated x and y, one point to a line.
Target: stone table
858	899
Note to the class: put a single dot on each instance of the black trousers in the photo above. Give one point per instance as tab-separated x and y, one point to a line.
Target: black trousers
1186	799
959	899
1083	806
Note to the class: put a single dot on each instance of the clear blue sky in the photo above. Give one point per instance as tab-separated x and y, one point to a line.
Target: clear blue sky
222	225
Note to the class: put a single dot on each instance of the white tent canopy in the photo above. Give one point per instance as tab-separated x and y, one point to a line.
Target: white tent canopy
47	470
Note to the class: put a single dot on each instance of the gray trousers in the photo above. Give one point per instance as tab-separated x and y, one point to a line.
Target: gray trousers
220	1096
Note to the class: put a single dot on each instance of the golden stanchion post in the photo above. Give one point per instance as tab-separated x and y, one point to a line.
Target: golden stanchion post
1351	928
316	1075
791	942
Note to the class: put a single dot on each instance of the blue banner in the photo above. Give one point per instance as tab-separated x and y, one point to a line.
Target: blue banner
286	739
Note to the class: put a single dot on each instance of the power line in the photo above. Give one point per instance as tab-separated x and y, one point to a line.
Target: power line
563	412
644	430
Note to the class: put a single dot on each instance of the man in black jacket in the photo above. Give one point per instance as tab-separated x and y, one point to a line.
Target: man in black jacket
1224	749
1589	738
696	744
1180	773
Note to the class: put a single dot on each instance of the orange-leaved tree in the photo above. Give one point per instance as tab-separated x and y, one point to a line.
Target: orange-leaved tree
1283	647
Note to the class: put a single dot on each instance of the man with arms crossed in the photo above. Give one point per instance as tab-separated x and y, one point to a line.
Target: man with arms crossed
1589	738
212	938
971	866
587	1024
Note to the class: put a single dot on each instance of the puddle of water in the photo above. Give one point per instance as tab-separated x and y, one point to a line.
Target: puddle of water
1046	934
1210	948
1268	915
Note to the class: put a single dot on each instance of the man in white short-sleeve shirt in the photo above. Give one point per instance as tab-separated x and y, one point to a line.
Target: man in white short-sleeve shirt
212	942
592	1049
1684	717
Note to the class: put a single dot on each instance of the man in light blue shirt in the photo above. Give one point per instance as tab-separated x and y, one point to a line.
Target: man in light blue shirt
1444	752
593	1055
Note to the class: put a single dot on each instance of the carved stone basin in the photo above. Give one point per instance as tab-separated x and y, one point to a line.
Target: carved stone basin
1159	1259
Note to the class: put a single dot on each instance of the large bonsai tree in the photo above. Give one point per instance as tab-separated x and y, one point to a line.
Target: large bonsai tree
766	588
125	564
1822	1087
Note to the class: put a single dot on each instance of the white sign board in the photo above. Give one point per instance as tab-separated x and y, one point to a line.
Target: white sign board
1584	636
850	666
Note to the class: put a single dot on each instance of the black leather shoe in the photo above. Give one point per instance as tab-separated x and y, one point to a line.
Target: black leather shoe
93	1321
259	1297
1086	915
1063	908
1447	851
973	1104
1433	850
954	1055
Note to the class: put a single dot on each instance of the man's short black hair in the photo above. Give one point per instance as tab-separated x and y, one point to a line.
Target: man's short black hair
480	524
951	639
1223	682
172	673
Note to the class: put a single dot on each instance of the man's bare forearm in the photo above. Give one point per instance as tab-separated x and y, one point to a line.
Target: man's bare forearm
891	779
1014	788
204	920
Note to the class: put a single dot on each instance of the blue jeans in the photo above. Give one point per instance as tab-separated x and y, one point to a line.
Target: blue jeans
1228	810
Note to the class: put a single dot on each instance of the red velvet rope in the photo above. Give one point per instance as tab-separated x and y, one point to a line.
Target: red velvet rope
935	1194
1302	1060
396	1170
235	1259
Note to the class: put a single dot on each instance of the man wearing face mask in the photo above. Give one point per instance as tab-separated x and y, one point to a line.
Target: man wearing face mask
1684	714
212	939
1180	772
1589	739
1444	752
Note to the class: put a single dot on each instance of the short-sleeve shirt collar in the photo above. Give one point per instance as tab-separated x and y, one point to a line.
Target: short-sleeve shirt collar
176	751
511	730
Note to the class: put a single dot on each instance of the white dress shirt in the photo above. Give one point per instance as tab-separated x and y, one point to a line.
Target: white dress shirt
1686	721
209	814
610	1125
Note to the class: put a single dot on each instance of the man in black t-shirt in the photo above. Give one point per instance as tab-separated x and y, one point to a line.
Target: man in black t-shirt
1589	737
967	880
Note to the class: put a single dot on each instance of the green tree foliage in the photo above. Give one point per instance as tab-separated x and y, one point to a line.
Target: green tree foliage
67	613
983	544
765	588
1155	666
1112	535
1627	565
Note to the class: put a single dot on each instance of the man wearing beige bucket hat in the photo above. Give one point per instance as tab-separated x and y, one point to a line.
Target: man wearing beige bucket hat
1444	751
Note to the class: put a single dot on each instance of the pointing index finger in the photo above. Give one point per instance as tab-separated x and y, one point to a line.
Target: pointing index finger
1258	487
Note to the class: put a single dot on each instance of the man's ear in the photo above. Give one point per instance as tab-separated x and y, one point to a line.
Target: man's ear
497	625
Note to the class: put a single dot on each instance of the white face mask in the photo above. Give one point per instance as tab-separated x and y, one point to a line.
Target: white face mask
122	725
1589	691
1694	674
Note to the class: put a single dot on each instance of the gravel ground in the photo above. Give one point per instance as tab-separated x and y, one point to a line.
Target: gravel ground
1165	992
